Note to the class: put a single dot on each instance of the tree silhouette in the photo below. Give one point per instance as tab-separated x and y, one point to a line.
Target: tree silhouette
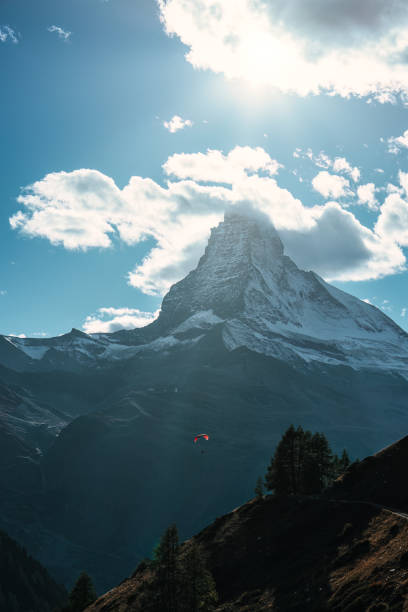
197	591
181	582
303	463
82	595
167	570
259	488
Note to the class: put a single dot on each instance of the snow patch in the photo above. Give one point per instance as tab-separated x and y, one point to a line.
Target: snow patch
201	320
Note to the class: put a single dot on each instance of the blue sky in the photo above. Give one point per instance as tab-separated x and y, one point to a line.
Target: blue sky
87	87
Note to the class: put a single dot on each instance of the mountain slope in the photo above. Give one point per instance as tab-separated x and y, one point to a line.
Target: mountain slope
342	552
295	554
116	478
25	585
378	478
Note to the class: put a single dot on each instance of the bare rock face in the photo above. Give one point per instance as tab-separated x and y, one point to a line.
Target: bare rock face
236	249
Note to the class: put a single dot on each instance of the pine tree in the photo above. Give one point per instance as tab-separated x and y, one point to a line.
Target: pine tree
340	464
285	472
344	462
82	595
320	458
167	570
197	591
259	488
303	463
278	476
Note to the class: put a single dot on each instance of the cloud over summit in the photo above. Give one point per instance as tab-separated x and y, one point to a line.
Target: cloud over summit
85	209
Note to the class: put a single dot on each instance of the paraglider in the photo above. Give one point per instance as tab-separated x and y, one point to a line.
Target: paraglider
205	436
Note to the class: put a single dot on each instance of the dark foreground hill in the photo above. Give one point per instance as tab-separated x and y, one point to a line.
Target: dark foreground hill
307	554
25	585
379	478
296	554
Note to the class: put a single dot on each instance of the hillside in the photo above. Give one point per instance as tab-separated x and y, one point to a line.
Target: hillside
378	478
296	554
307	553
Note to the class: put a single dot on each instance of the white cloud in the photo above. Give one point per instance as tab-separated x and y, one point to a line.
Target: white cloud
396	143
367	301
3	291
322	160
379	170
392	224
341	164
391	188
63	34
403	312
214	166
70	208
113	319
84	209
16	335
343	47
366	195
339	247
7	33
386	306
331	185
177	123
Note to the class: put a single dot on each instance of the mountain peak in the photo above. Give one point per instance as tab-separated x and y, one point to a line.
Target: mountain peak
237	247
242	236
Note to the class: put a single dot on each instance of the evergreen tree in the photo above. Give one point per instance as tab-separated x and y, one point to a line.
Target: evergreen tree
344	462
82	595
285	472
320	458
181	581
167	570
197	592
303	463
259	488
340	464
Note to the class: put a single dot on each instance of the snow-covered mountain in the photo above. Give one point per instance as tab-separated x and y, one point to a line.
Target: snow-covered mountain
266	303
247	285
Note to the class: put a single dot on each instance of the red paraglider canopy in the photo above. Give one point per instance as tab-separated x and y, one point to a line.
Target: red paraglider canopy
205	436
